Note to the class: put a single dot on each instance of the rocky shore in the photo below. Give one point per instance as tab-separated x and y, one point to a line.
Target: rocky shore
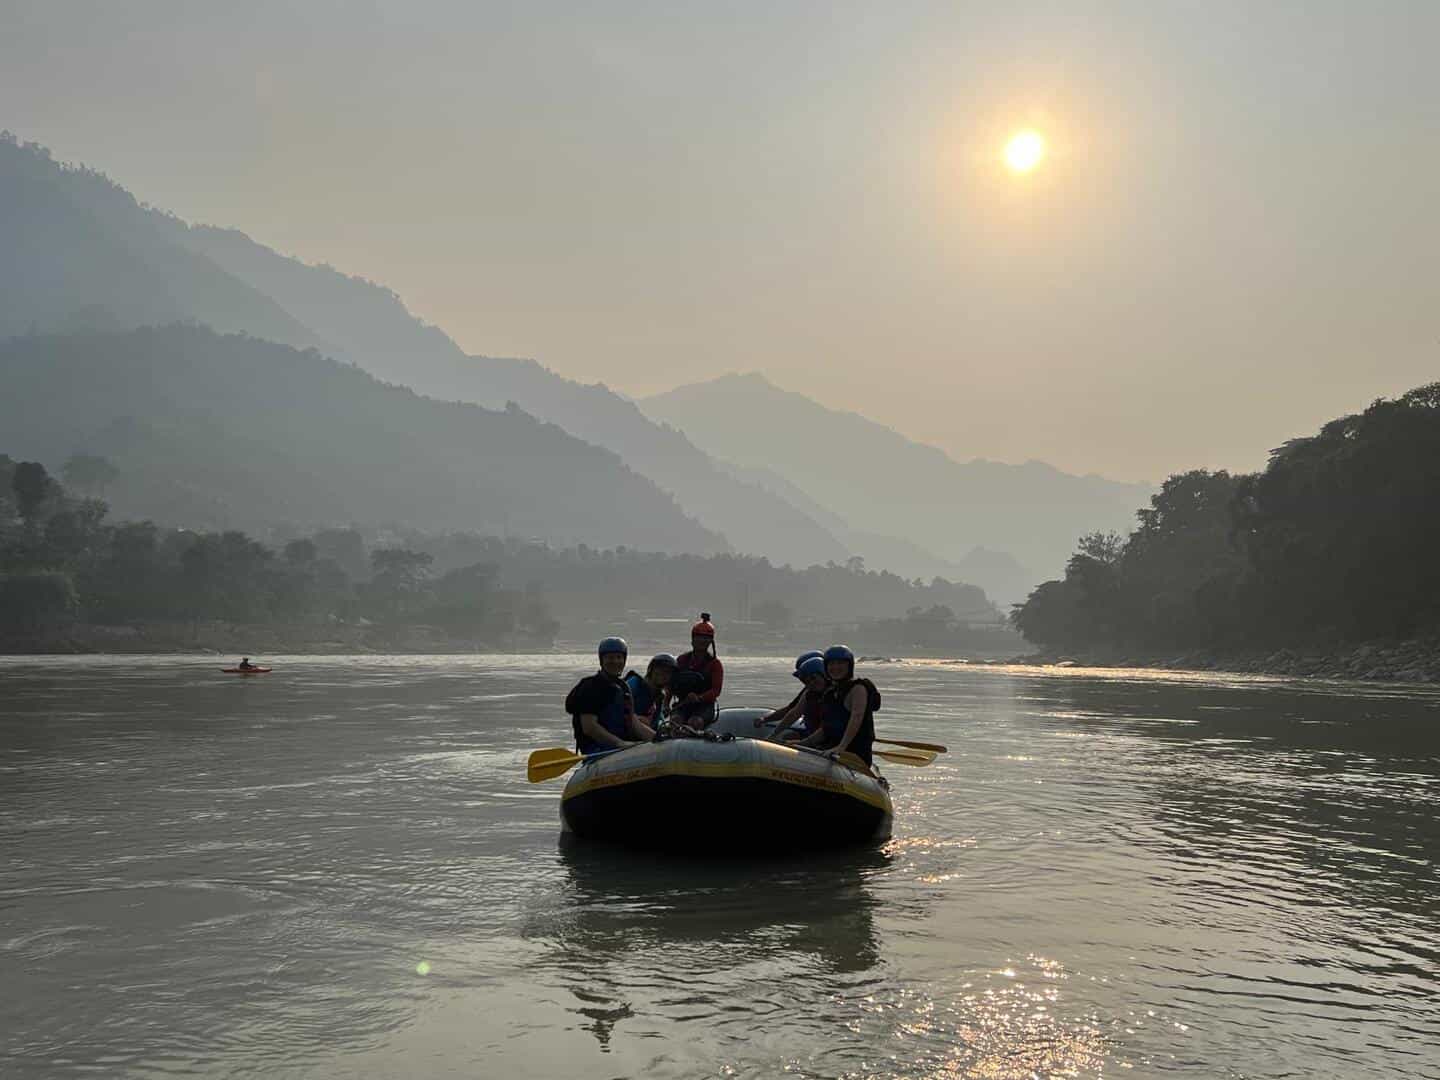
1415	660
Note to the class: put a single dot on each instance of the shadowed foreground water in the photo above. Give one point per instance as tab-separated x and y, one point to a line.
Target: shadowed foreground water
339	870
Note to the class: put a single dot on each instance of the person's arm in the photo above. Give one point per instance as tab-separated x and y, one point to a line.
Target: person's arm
642	731
857	699
796	710
717	678
814	739
591	726
777	714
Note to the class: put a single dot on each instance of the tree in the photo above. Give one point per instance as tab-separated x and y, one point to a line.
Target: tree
37	602
400	577
301	552
89	473
775	614
32	486
467	603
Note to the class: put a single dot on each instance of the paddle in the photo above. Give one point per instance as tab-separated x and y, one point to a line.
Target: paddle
917	758
557	761
933	747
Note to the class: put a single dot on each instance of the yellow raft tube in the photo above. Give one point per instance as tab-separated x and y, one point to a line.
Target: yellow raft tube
730	788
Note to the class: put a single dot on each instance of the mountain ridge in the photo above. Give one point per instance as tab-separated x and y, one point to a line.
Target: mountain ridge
892	484
231	431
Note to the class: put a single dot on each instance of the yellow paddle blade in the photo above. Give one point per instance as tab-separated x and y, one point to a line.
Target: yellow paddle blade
854	761
548	764
918	758
935	748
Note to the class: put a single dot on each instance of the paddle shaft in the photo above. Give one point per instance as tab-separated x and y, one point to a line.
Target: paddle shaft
934	748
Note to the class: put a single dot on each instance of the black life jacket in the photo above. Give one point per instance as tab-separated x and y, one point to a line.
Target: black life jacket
836	716
689	681
614	715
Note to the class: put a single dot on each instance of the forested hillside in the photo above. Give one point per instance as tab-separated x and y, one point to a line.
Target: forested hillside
225	431
1335	541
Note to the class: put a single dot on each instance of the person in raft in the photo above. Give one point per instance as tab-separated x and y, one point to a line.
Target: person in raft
602	713
848	709
698	678
648	691
246	665
804	706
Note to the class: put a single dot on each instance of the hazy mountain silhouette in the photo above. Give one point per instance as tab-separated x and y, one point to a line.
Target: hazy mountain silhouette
81	253
234	432
753	519
997	572
879	481
370	325
88	256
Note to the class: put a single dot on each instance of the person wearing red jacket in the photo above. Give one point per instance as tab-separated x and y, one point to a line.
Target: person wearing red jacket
699	690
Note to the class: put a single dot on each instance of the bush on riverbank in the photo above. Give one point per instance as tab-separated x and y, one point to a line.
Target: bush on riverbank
1331	548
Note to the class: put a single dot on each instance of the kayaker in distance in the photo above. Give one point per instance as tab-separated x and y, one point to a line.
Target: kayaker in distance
601	710
245	665
648	691
696	704
809	704
850	705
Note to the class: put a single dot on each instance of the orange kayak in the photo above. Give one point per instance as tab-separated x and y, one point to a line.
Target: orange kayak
246	671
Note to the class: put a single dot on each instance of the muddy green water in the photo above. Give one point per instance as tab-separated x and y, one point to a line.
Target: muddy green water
339	870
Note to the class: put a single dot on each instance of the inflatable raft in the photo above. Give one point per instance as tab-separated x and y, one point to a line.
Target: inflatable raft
729	789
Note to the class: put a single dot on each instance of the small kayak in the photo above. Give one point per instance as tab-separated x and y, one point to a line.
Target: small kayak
245	671
738	791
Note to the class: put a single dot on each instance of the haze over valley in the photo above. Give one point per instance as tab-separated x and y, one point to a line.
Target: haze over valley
194	420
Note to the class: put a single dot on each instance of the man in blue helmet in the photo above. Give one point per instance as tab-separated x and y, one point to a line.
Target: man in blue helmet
849	707
601	710
804	706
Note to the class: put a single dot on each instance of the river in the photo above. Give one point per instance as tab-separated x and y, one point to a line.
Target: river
339	870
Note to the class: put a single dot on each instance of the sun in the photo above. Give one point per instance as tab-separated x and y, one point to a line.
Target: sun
1024	151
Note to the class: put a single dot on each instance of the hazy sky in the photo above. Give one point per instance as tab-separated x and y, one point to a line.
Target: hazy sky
1235	235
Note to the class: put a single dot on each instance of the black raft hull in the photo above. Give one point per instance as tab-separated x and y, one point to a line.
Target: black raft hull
745	794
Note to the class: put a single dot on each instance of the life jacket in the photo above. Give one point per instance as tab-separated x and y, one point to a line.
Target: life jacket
687	681
646	700
692	681
836	716
814	715
610	698
701	665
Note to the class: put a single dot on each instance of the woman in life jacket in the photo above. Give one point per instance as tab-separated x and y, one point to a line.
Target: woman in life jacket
849	707
648	691
602	714
807	706
695	697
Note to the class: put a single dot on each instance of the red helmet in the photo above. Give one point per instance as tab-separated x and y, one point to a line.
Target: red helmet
703	628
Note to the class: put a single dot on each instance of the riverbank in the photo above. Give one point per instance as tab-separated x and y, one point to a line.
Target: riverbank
1415	660
225	639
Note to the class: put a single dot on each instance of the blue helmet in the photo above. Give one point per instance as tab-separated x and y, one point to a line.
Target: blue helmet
806	656
809	667
613	645
840	652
